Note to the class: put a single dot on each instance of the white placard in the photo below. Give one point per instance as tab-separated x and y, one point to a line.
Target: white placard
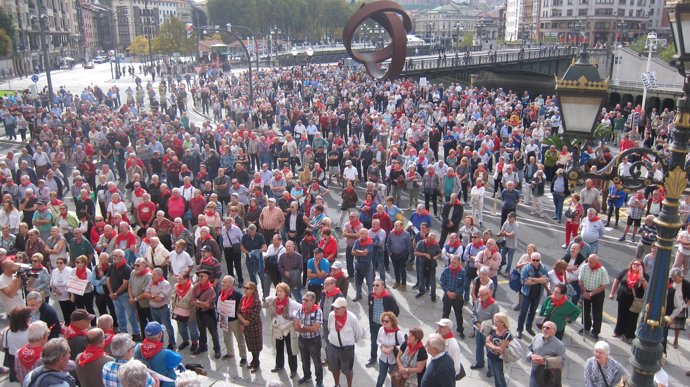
422	82
77	286
227	308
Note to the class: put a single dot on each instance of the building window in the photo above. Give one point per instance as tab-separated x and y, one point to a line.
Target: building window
569	12
582	12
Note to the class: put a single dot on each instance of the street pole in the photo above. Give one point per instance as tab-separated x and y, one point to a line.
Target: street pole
618	63
651	43
44	46
148	32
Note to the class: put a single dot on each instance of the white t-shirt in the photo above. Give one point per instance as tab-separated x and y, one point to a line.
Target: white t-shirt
9	303
180	262
661	378
58	280
684	237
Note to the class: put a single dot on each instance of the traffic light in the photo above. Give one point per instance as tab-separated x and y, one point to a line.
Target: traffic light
190	30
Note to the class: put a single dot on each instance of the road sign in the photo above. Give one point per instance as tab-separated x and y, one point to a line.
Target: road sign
34	78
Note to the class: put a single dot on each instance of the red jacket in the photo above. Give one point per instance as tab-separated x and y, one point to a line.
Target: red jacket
385	220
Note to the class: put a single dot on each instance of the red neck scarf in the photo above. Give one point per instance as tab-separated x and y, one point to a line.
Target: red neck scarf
338	274
225	294
71	331
143	272
281	304
411	350
455	244
488	302
429	243
366	242
561	276
335	289
203	286
156	282
56	202
597	267
555	302
182	289
313	309
139	192
340	321
108	336
355	223
595	218
396	232
150	348
118	265
81	273
207	261
28	355
455	272
211	213
449	335
393	330
91	353
633	277
375	229
177	230
379	296
246	303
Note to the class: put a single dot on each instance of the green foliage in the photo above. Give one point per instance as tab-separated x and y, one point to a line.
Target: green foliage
299	19
140	46
603	131
7	23
467	40
172	37
665	54
5	43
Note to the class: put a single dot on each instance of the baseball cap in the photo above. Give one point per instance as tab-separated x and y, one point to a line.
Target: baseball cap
444	322
207	248
205	271
153	328
338	265
340	302
318	250
81	315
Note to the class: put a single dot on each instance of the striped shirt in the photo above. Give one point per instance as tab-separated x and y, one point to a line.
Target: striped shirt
271	219
309	319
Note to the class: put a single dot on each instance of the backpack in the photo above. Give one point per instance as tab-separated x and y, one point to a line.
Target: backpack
514	352
515	281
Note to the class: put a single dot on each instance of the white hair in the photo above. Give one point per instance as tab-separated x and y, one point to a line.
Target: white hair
133	374
603	347
437	342
188	379
37	331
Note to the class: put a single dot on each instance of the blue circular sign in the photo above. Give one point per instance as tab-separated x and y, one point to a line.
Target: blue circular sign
34	78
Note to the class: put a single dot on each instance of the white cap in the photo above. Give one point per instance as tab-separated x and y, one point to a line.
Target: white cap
444	322
340	302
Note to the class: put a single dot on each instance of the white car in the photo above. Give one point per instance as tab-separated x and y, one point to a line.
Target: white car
88	65
100	59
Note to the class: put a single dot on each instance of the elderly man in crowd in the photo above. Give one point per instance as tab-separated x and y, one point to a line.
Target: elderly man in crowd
29	356
344	331
593	280
547	354
56	360
90	362
158	292
151	351
122	349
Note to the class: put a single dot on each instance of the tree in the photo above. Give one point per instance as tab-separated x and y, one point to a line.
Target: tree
467	40
172	37
7	23
5	43
140	46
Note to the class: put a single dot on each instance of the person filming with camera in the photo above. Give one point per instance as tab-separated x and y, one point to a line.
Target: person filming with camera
10	286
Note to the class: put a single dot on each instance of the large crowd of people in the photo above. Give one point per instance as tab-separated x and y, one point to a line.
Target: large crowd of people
125	210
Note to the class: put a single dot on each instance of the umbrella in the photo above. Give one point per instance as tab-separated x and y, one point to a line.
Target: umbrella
68	59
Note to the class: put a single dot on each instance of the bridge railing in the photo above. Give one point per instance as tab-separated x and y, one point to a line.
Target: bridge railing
640	85
485	58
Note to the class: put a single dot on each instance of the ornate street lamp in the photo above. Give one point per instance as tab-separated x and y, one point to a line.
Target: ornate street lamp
581	95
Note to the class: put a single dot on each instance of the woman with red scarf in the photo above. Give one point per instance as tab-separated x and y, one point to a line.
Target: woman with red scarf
84	301
184	312
412	357
281	310
559	309
630	284
250	318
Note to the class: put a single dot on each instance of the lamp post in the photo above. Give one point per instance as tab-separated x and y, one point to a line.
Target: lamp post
479	27
649	44
147	28
581	93
42	20
310	54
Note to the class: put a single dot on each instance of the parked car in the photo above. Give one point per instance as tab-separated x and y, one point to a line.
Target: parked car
100	59
88	65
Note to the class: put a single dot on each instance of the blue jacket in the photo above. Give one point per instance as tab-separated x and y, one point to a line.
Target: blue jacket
530	271
165	363
417	219
439	372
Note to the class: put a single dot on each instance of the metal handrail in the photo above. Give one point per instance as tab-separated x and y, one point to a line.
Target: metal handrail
640	85
484	58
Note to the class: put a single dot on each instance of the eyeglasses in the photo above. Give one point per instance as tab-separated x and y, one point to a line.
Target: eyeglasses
35	261
636	264
136	265
60	263
536	260
247	288
385	321
475	237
